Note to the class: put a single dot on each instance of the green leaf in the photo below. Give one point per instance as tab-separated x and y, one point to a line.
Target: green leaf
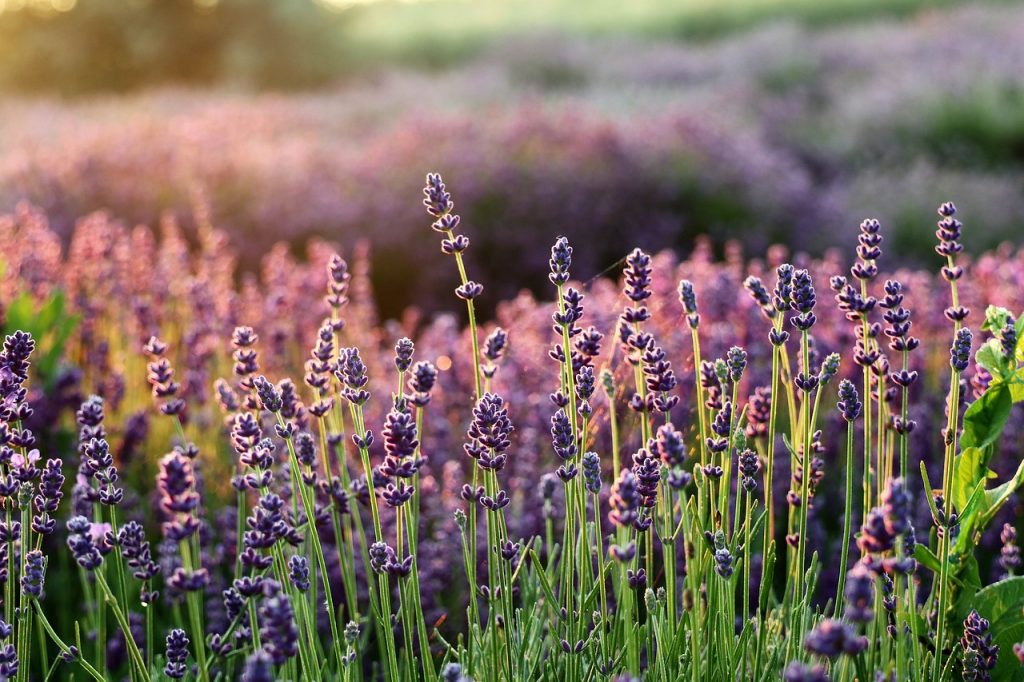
990	356
926	558
986	417
968	472
970	583
1001	598
995	318
998	496
1001	604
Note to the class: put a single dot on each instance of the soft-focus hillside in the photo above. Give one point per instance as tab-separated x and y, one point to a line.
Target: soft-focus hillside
781	133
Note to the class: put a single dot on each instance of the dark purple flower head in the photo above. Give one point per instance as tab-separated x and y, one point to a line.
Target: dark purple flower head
131	539
832	638
421	383
749	465
48	499
755	287
560	262
305	449
949	232
82	544
562	439
259	667
14	358
803	300
647	470
490	431
638	276
177	654
670	446
34	574
980	653
298	572
592	471
268	393
278	631
352	373
782	296
658	378
736	359
860	594
625	500
436	197
404	350
849	401
688	299
798	672
960	353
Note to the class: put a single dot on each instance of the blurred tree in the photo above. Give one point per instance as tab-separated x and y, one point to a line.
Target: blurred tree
74	48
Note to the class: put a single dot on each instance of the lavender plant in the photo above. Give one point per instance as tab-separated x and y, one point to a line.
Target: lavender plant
681	502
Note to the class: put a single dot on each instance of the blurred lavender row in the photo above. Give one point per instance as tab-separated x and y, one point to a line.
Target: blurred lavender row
777	134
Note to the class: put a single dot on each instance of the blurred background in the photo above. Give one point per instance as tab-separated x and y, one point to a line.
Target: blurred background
615	123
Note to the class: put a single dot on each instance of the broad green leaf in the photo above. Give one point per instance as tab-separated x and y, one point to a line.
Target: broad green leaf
990	356
998	496
985	417
995	318
972	513
996	600
1008	668
1001	604
1016	383
969	471
969	584
926	558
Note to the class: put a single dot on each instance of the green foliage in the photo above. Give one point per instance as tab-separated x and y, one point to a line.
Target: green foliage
1001	604
50	324
978	501
116	45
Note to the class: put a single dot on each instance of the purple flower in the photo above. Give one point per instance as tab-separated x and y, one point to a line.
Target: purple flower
592	472
81	544
960	353
562	439
560	262
259	667
626	502
177	653
860	594
670	446
849	401
33	576
298	572
48	500
404	350
980	653
832	638
278	632
136	550
798	672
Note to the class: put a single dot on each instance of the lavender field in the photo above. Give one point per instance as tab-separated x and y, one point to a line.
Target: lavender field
689	368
